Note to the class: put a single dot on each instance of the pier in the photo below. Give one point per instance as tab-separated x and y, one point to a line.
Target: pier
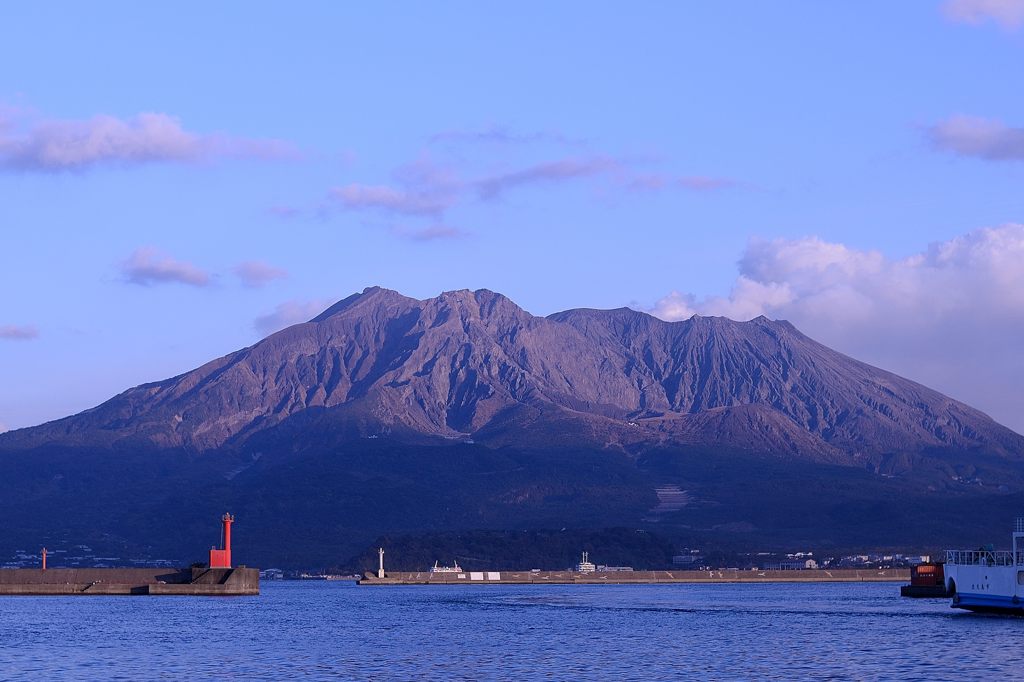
843	575
239	581
219	578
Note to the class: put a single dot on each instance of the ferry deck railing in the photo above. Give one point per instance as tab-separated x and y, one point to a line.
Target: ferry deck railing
965	557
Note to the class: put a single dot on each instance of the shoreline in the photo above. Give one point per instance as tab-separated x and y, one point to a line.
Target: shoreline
841	575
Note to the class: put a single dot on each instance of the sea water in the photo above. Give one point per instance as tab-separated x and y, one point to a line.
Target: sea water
336	630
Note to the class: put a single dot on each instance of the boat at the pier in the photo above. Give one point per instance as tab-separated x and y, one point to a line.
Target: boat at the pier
436	568
986	580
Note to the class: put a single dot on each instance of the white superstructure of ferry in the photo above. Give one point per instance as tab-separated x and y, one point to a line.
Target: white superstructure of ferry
988	580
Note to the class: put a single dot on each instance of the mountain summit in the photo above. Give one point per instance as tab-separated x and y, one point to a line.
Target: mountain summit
472	364
387	414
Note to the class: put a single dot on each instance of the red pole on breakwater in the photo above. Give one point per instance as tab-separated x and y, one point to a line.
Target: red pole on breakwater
44	558
228	519
221	558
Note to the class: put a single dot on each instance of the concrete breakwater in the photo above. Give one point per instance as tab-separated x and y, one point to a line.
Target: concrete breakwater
239	581
842	575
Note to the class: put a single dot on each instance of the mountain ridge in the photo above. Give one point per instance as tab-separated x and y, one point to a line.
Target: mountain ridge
387	414
447	366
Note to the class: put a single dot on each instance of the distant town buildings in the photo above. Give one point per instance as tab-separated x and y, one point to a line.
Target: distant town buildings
688	559
78	556
695	559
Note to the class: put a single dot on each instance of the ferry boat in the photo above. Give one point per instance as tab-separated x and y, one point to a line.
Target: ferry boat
988	581
446	569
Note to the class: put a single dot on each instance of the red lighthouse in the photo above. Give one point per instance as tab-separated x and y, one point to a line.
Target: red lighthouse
221	558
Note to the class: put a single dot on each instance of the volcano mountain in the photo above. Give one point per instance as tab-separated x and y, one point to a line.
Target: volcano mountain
388	415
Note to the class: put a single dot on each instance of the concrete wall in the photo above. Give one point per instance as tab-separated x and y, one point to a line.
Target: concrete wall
58	576
627	577
129	581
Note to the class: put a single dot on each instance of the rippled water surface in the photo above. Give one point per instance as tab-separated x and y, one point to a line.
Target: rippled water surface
643	632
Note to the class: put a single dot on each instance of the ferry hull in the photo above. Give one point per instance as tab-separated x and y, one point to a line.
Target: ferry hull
988	603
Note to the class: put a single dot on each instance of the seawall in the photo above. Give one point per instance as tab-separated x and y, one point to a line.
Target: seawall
842	575
239	581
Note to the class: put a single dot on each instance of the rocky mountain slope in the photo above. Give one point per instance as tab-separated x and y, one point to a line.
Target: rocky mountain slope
387	414
474	365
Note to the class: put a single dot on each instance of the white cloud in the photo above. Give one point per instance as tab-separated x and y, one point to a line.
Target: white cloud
501	135
17	332
289	313
951	316
62	145
284	211
425	189
980	137
422	191
426	192
662	182
559	170
423	201
147	266
435	233
1007	13
255	274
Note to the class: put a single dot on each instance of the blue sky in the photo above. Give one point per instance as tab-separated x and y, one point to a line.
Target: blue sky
855	167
